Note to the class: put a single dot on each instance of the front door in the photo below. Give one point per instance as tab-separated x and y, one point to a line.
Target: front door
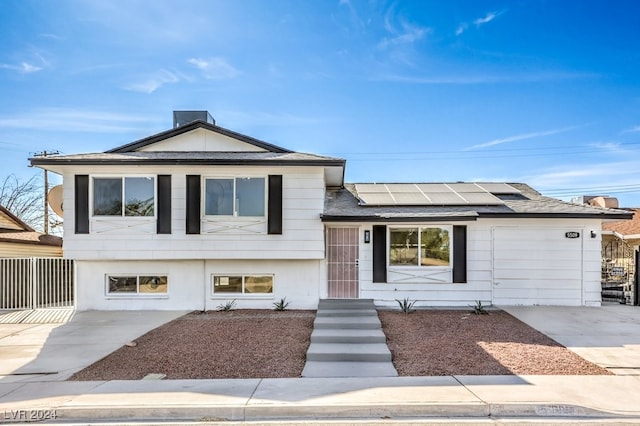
342	256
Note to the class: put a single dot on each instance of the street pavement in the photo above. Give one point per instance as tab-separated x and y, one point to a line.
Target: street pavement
36	359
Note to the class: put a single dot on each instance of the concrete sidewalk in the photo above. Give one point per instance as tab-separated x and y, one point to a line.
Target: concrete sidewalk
470	397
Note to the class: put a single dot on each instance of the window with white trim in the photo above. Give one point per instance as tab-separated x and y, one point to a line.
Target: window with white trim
137	284
420	246
234	196
243	284
123	196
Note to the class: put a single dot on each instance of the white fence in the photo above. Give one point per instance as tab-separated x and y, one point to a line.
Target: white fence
36	282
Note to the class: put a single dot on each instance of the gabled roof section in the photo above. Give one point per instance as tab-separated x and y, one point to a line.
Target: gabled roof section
194	125
10	221
14	230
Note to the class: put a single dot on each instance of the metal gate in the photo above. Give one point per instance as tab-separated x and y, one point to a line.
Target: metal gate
618	271
36	282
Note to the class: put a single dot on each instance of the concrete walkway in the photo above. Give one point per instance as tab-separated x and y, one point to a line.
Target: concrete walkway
545	399
347	341
53	352
608	336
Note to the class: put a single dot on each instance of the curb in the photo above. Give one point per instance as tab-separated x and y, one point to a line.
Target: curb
289	412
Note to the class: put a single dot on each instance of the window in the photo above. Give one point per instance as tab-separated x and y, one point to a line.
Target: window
234	197
243	284
129	196
424	246
137	284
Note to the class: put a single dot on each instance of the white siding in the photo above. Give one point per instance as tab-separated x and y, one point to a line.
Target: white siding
190	283
530	259
135	238
202	140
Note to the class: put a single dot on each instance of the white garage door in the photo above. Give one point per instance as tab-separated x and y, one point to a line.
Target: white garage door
538	266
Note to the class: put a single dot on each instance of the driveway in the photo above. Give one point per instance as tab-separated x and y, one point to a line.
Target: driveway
608	336
53	352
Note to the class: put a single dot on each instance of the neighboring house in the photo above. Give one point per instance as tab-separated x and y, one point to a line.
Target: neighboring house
199	215
17	239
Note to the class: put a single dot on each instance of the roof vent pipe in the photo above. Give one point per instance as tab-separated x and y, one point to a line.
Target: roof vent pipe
180	118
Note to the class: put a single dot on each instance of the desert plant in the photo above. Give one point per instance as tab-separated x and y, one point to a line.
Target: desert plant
229	305
281	305
479	309
406	306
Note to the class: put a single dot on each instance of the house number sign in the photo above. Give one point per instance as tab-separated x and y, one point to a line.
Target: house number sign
572	234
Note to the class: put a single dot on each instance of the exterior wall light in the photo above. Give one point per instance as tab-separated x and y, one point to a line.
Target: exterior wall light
367	236
593	234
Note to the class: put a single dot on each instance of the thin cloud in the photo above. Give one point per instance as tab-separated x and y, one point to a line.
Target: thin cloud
75	120
521	137
214	68
491	16
22	67
634	129
154	82
402	33
488	18
486	78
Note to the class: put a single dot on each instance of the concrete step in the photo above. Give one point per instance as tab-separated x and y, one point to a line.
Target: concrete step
348	336
343	312
367	322
363	352
348	369
346	304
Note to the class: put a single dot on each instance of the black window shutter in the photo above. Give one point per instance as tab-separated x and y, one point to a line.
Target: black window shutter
193	204
459	254
164	205
379	254
274	210
82	204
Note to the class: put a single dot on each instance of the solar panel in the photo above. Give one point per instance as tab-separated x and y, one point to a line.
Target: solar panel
363	188
377	198
411	198
402	187
499	188
480	198
426	194
465	187
447	199
433	187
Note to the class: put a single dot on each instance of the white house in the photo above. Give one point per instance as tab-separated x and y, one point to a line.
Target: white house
199	215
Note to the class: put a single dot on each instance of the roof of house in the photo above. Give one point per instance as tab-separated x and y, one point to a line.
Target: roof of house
134	153
24	234
271	158
346	205
625	228
198	124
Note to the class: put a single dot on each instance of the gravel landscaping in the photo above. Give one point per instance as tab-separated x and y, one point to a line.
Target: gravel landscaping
264	343
440	343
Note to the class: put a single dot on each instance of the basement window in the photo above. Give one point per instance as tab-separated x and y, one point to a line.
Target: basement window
243	284
137	284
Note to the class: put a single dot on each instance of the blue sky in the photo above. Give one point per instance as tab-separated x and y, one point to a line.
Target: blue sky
541	92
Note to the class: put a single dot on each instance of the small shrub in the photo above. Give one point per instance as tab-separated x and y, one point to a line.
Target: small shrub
478	309
406	306
281	305
227	306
